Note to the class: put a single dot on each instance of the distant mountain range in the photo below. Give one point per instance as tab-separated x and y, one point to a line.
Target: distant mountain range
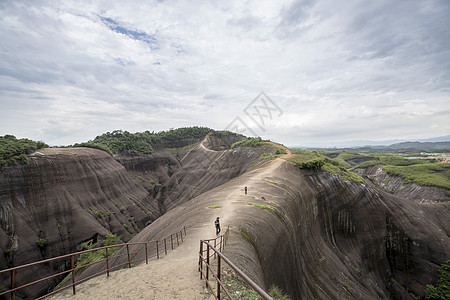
430	144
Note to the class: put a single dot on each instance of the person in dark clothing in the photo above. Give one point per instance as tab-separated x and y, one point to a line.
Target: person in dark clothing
217	223
245	189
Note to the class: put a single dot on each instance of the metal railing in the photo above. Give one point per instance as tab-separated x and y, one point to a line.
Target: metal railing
208	250
151	249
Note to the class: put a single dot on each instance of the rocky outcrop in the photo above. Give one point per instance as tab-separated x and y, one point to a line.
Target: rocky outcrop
64	197
395	185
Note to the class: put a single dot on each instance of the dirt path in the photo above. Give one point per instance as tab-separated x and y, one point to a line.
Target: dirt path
175	276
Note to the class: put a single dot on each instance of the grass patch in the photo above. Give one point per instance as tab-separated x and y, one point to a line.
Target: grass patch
239	289
267	156
262	206
344	173
214	206
436	175
274	182
247	237
393	161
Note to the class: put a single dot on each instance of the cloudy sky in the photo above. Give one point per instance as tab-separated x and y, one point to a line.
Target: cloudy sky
331	71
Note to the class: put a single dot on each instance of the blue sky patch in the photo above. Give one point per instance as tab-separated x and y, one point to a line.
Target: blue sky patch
131	33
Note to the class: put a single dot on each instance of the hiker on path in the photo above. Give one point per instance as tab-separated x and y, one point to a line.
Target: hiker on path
217	223
245	189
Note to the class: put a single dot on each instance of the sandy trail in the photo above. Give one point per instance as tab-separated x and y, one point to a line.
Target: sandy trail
174	276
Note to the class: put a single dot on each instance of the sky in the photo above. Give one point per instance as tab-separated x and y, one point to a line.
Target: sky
303	73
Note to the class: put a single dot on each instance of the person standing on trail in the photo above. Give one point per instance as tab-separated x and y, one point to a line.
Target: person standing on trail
245	190
217	223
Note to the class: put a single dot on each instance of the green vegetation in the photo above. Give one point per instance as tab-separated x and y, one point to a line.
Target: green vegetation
437	175
13	150
442	289
215	206
318	162
239	289
274	182
120	141
92	256
344	173
392	161
425	172
9	253
95	145
42	242
262	206
97	213
267	156
277	294
250	142
247	237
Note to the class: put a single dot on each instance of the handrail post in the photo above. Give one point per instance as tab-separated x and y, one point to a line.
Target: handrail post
181	234
207	264
200	260
178	244
165	246
157	249
128	253
107	263
221	243
13	285
72	263
218	277
171	240
184	229
215	246
146	253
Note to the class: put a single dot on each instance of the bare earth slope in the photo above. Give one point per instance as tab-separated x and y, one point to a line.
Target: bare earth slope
314	235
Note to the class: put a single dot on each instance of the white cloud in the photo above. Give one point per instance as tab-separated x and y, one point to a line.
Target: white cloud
339	71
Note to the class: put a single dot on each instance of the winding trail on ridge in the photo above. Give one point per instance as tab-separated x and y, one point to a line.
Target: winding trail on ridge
175	276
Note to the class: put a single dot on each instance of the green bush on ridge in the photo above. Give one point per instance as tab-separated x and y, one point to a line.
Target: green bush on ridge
250	142
13	150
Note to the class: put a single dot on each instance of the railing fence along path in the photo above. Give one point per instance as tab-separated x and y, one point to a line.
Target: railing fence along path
212	249
151	249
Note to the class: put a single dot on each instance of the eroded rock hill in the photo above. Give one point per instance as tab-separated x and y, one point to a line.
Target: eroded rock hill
317	236
64	197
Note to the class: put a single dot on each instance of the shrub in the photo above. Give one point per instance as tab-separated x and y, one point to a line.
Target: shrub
42	242
442	290
23	159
